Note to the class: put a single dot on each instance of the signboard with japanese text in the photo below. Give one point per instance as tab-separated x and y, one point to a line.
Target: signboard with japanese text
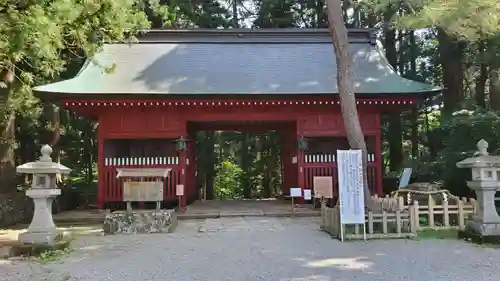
351	192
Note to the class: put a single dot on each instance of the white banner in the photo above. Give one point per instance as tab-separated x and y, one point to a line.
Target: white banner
351	192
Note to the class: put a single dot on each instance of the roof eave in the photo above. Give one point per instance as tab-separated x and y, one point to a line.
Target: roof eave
268	35
55	97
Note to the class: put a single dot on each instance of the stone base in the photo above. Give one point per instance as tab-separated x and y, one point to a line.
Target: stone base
40	238
145	221
477	238
27	250
483	229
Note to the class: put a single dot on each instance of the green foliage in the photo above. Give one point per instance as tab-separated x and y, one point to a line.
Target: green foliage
460	137
471	20
227	183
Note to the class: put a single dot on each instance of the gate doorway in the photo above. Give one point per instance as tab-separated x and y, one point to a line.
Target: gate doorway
240	160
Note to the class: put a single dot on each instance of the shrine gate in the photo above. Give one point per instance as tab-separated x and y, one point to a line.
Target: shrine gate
172	83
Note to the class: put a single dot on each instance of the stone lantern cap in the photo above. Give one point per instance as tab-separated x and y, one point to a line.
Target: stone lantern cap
481	159
43	165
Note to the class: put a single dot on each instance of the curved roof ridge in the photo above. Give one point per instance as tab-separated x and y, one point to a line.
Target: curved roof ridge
248	35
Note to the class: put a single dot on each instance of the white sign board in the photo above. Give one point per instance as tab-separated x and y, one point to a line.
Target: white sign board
404	180
296	192
307	194
148	191
351	192
179	190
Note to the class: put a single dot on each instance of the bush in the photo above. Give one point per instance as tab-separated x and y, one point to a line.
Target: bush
227	183
459	138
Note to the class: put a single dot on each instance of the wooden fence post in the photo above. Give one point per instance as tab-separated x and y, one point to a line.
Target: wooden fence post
398	222
370	222
446	214
384	222
401	203
430	209
461	217
474	205
416	214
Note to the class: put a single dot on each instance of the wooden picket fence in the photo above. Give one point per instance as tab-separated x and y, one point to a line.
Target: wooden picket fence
397	219
381	225
452	212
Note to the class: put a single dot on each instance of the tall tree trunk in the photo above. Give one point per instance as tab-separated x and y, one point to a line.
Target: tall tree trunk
8	139
210	173
414	110
495	89
394	136
345	81
481	79
246	163
451	58
234	21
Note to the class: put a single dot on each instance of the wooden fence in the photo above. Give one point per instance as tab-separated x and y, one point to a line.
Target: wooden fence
450	212
394	218
397	224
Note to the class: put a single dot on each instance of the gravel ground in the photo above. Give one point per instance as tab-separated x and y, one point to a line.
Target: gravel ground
240	249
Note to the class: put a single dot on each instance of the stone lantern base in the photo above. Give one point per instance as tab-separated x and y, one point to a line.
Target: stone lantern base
42	238
484	226
42	229
469	233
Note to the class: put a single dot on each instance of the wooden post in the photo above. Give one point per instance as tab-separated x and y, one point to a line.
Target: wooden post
100	169
474	205
461	217
401	203
398	222
430	208
416	209
384	221
293	207
446	213
378	157
141	204
411	212
370	222
183	165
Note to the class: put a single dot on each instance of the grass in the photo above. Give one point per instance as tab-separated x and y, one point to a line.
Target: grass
51	255
438	234
451	234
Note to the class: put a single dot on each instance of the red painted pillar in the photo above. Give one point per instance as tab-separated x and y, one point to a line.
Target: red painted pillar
286	158
301	182
100	169
191	169
182	162
379	160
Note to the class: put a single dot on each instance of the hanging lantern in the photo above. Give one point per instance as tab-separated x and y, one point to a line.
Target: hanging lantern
181	144
303	143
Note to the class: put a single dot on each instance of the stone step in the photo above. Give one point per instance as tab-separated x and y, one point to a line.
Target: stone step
213	215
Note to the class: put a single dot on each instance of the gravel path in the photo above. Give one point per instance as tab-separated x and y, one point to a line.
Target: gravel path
273	249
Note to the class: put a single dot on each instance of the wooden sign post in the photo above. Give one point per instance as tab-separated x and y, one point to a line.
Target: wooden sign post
351	192
323	189
295	192
179	191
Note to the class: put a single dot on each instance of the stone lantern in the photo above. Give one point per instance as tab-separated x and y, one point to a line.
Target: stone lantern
485	182
42	229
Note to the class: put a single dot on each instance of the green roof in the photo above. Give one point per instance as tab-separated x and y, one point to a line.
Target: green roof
262	61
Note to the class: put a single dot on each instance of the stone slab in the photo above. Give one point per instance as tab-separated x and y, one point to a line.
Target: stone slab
41	238
197	216
142	221
289	214
241	214
246	224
